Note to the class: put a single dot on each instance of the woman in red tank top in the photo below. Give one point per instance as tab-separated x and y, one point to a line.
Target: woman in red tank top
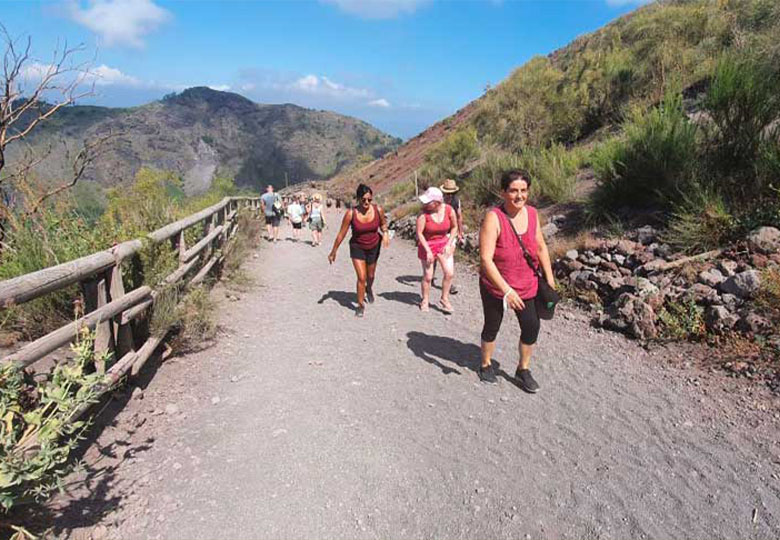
437	233
507	281
366	221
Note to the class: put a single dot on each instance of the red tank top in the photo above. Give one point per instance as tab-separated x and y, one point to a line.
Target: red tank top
365	235
433	230
509	258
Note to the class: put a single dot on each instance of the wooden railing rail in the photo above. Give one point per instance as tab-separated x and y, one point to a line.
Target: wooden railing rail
108	309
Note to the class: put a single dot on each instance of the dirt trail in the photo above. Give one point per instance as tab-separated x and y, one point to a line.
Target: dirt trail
305	422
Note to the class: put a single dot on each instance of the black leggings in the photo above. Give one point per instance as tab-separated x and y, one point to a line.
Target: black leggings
493	308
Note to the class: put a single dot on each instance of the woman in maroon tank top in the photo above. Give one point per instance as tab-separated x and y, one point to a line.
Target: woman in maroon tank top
507	281
437	233
366	221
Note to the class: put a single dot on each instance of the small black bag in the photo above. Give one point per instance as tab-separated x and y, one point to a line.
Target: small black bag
546	296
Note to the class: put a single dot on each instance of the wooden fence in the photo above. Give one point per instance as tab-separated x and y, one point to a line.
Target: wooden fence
108	308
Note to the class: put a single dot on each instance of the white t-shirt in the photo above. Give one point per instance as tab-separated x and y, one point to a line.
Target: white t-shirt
295	211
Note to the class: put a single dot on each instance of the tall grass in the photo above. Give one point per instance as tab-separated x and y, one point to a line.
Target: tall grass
554	172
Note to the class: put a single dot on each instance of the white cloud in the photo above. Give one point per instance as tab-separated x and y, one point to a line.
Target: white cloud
247	87
220	87
619	3
120	22
381	102
108	76
377	9
312	84
102	75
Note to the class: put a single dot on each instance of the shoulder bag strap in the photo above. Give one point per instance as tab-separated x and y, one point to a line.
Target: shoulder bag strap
535	269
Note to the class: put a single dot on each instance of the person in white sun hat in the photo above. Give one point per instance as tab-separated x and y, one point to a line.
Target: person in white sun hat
450	189
437	234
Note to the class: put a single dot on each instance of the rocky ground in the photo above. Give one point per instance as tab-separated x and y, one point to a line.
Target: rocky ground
303	421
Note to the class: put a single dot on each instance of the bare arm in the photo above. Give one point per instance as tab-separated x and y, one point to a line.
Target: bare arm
488	235
544	255
459	213
384	226
454	228
340	236
421	238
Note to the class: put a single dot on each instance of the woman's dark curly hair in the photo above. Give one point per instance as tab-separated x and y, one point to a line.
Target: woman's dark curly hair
514	174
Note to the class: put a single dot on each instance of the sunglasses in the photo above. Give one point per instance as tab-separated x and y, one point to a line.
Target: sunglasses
367	199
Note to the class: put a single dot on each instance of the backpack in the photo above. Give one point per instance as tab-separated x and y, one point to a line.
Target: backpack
278	206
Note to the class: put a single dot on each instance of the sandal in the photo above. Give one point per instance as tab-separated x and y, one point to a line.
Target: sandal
424	307
446	308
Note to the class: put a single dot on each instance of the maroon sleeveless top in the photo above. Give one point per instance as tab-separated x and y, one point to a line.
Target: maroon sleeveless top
433	230
365	235
509	258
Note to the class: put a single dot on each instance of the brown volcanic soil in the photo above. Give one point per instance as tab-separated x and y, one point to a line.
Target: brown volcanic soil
383	173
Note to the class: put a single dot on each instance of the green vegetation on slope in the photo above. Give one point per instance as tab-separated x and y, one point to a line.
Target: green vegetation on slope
674	109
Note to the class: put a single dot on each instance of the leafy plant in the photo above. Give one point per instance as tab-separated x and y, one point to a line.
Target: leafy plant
682	319
36	430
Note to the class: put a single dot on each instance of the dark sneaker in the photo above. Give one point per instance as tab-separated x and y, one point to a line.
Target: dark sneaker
488	374
360	311
453	290
526	381
370	296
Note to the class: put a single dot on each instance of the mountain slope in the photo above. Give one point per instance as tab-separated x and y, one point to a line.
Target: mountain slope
201	133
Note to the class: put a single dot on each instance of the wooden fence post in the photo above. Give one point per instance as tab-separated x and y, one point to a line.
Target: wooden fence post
123	332
96	296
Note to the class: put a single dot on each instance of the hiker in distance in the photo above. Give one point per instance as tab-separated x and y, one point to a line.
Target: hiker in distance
271	205
295	212
450	189
316	219
510	240
366	221
437	234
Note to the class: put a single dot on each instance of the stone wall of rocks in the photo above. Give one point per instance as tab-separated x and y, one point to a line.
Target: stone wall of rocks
632	280
629	280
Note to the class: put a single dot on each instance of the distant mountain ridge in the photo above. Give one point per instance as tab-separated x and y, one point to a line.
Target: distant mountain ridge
202	133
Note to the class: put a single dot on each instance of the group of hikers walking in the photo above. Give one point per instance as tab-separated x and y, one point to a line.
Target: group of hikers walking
297	210
515	269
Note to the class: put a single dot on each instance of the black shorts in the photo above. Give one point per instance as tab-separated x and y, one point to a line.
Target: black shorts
371	256
297	225
272	220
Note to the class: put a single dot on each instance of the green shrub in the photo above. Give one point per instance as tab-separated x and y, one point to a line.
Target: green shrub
450	156
52	236
743	102
554	172
483	185
650	165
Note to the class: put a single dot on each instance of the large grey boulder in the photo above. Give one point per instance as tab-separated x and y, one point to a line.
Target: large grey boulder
743	285
765	239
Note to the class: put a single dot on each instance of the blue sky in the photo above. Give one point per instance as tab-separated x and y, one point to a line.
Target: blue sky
399	64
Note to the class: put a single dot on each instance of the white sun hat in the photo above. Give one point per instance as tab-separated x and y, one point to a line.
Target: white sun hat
431	194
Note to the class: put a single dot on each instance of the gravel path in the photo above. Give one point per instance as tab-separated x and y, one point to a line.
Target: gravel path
305	422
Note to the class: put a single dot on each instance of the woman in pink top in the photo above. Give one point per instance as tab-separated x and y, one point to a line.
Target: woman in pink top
369	234
506	279
437	233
